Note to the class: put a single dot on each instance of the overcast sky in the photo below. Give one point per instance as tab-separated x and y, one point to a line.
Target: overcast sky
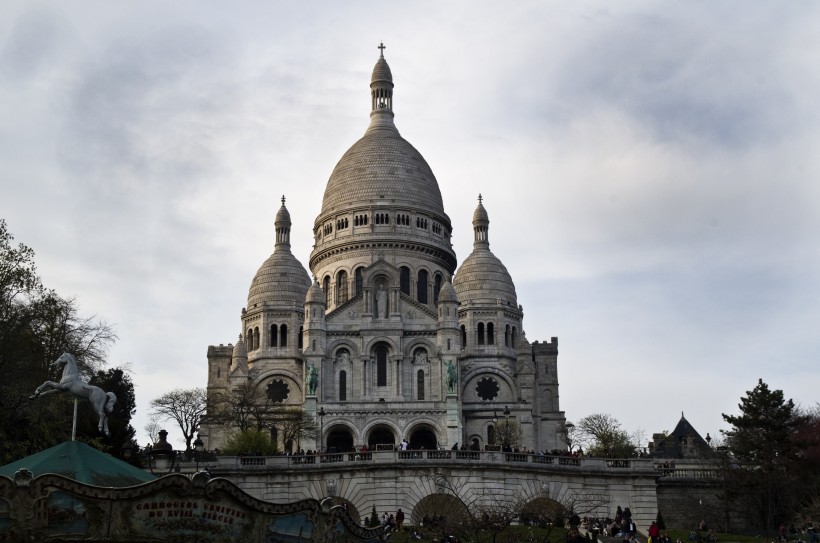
650	170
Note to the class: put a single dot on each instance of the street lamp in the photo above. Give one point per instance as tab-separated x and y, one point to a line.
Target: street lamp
321	429
162	454
127	450
199	447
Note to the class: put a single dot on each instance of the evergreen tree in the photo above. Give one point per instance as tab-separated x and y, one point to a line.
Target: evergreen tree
767	476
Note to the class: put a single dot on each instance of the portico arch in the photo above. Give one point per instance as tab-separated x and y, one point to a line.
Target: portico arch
380	434
339	438
439	509
423	436
541	511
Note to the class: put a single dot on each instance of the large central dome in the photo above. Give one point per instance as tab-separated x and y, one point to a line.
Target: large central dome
382	166
382	201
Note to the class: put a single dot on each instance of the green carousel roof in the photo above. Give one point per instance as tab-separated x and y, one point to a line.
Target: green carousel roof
80	462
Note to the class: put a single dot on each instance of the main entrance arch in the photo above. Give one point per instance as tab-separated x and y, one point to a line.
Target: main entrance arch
380	435
339	439
439	509
423	437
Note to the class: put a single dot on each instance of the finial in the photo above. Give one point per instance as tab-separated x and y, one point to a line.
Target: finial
283	199
381	49
479	198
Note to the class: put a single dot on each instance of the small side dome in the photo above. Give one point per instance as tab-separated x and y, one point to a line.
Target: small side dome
447	294
315	294
281	280
482	278
239	350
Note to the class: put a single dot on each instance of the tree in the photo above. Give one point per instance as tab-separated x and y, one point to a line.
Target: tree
294	425
772	476
36	327
508	432
250	441
184	406
604	436
571	435
118	381
245	407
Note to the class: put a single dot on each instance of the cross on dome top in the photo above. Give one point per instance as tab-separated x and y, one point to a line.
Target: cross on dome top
381	49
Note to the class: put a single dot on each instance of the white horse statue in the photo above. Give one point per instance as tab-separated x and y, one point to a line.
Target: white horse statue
71	382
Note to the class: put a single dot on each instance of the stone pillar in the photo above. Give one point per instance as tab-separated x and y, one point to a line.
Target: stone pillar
311	409
454	432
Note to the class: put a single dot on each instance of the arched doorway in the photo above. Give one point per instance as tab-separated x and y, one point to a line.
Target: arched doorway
423	437
440	511
542	511
380	435
339	439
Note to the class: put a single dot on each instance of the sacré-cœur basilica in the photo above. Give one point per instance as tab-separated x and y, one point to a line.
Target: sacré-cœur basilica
392	339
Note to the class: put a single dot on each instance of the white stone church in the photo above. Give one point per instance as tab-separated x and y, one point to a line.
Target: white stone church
402	342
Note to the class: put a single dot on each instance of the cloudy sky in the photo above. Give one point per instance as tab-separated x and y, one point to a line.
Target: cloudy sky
650	170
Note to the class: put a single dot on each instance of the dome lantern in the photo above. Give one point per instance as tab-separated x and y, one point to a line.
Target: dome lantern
381	86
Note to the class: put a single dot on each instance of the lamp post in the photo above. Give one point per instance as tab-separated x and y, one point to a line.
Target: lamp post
321	429
162	454
506	439
127	450
199	447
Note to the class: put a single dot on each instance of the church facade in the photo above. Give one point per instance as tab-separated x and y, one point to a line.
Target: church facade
392	340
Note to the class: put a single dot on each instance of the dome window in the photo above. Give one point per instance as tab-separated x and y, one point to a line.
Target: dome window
249	339
490	334
300	341
420	385
381	366
463	337
255	338
327	290
507	336
481	333
343	386
404	280
436	228
421	289
359	281
436	288
283	335
273	335
341	287
421	223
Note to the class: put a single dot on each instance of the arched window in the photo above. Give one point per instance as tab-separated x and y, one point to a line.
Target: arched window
381	366
421	289
481	333
343	386
491	435
490	334
283	335
359	281
300	341
326	287
514	338
255	338
273	336
507	336
463	337
249	340
341	287
404	279
436	288
274	434
420	384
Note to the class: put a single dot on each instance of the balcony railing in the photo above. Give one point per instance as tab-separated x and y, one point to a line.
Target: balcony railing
535	461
